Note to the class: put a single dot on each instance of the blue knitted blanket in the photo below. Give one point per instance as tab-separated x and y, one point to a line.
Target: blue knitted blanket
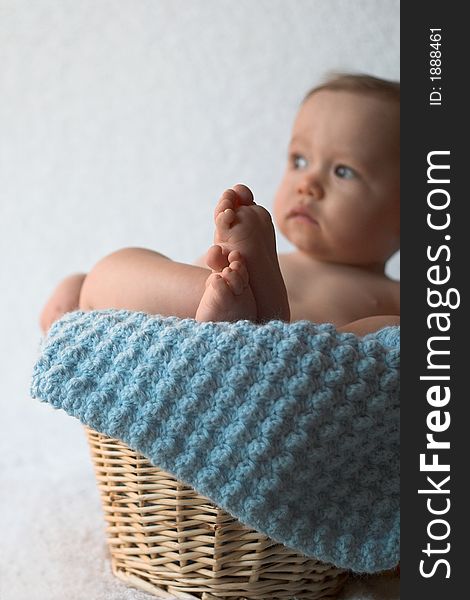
291	428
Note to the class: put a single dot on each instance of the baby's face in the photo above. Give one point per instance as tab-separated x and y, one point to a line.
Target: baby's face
339	198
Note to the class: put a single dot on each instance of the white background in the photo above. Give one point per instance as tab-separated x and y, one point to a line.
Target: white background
121	122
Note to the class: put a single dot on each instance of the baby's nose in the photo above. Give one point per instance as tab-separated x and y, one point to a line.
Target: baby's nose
311	185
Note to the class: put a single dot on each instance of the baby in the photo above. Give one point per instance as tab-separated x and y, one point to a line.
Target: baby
338	204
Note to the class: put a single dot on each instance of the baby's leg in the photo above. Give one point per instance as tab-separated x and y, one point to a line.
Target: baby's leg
143	280
244	227
228	296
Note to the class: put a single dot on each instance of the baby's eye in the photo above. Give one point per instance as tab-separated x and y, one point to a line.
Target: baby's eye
344	172
298	161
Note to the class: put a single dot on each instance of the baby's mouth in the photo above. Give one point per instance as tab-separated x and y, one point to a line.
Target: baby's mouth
302	214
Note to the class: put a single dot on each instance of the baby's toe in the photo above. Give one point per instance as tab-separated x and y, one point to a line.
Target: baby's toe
244	194
216	259
234	280
220	290
229	199
224	220
239	267
233	256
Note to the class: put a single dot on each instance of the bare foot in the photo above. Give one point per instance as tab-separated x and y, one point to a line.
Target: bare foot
228	296
244	227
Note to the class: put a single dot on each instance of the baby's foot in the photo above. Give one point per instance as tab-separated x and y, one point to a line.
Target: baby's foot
244	227
228	296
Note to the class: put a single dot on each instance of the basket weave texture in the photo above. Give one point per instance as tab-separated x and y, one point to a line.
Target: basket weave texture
168	540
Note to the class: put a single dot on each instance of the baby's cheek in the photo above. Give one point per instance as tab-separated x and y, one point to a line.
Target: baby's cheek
348	236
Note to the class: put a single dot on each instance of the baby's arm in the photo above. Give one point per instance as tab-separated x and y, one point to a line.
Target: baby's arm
63	299
143	280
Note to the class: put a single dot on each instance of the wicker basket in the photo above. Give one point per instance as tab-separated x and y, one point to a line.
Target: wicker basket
167	540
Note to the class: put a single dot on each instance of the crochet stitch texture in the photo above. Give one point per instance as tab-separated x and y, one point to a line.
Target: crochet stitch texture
291	428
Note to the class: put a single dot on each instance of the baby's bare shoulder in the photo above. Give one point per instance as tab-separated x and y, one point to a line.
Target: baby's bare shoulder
361	295
382	292
341	293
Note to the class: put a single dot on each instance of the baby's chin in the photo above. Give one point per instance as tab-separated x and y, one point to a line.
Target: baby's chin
302	240
305	241
326	256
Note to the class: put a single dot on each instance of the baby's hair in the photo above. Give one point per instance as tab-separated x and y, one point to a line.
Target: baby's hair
360	83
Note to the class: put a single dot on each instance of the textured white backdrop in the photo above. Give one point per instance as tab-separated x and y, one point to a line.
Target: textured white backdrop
121	121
